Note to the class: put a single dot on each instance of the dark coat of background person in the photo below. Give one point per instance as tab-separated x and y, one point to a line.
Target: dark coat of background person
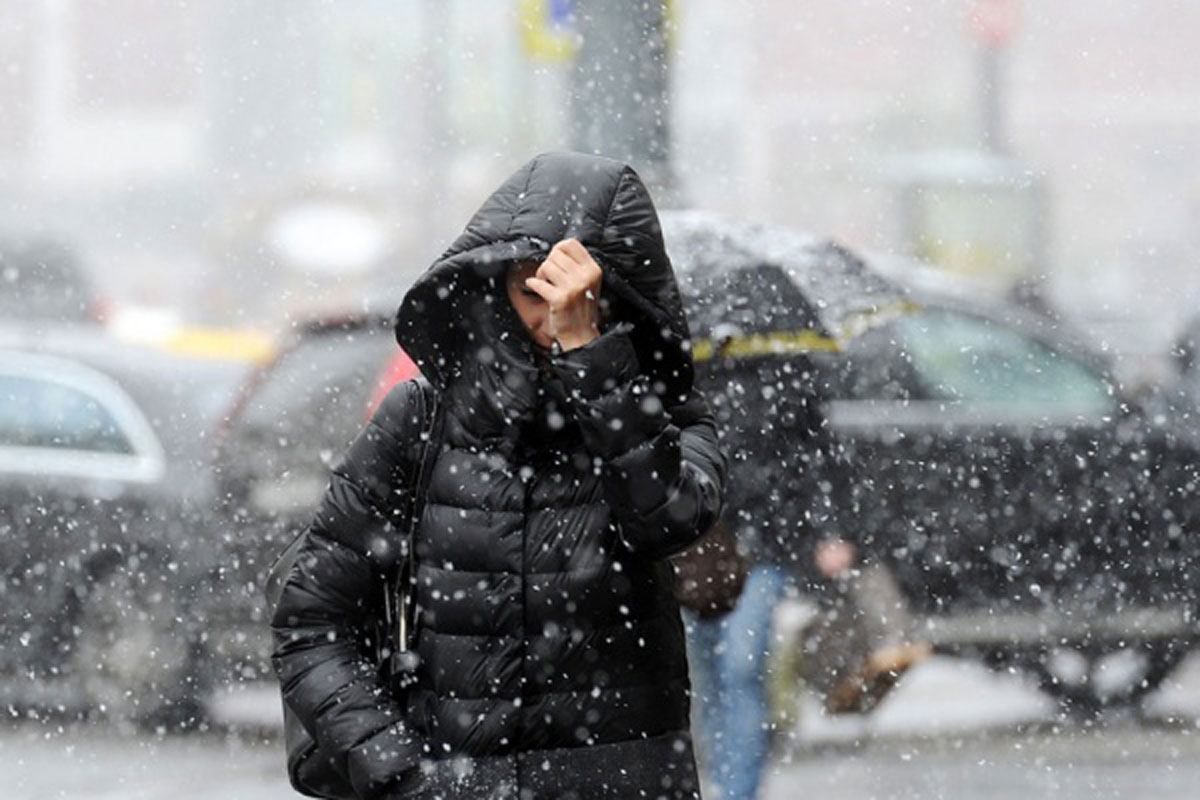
786	476
552	660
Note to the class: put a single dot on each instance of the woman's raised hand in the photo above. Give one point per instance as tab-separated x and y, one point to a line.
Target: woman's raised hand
569	281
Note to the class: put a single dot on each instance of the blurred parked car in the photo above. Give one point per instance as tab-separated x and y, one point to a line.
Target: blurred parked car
41	278
106	497
1185	356
291	419
1034	513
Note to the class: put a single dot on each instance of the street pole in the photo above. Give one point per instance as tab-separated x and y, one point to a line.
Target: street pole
994	127
619	88
435	123
993	23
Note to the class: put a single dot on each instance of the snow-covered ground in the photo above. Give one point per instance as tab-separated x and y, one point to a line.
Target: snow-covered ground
41	763
954	729
1124	761
951	729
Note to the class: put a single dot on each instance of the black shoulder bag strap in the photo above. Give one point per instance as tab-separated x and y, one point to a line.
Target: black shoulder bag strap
399	608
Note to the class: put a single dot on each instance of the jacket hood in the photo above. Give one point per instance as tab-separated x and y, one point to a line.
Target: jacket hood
458	312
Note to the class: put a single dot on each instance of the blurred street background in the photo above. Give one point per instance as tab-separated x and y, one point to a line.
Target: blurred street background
197	157
209	211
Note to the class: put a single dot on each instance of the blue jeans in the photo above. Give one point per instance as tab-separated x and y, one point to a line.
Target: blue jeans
728	658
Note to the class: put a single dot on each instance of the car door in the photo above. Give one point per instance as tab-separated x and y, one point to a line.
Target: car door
74	448
992	465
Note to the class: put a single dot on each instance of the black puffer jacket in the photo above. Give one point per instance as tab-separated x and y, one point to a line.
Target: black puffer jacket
552	653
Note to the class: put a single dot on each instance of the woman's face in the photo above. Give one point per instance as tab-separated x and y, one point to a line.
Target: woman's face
533	310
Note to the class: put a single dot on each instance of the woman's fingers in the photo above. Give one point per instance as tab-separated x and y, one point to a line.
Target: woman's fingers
570	264
548	291
574	250
554	271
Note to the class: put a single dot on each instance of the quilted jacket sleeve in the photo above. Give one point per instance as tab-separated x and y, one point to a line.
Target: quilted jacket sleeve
662	468
325	678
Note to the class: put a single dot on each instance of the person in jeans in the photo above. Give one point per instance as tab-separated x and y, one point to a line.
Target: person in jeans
787	480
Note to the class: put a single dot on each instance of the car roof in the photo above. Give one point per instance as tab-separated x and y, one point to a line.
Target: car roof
931	286
181	396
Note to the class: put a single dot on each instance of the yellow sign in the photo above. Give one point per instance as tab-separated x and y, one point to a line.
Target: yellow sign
548	29
807	340
231	345
764	344
545	31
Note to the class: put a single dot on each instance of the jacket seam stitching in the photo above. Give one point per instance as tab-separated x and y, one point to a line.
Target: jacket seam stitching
613	200
524	191
682	678
653	618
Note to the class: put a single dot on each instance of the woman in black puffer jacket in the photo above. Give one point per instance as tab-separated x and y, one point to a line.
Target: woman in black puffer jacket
551	650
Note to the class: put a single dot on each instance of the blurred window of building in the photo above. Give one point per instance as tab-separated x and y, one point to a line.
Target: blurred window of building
136	53
19	33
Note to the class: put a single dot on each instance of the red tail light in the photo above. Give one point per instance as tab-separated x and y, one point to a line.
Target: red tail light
399	368
100	310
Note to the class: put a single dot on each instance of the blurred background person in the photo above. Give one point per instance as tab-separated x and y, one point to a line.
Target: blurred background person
786	484
780	500
862	638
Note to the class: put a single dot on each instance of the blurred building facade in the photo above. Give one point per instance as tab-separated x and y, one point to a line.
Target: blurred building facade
165	140
794	113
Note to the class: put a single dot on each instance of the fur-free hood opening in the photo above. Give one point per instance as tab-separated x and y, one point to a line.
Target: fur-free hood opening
460	306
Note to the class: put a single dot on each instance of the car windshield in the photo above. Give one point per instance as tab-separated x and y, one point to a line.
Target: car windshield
313	383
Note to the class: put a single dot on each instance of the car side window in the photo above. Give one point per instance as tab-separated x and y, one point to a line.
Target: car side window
874	366
46	414
977	362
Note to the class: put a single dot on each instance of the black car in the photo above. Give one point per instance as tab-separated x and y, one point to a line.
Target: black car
1062	496
106	498
1034	512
